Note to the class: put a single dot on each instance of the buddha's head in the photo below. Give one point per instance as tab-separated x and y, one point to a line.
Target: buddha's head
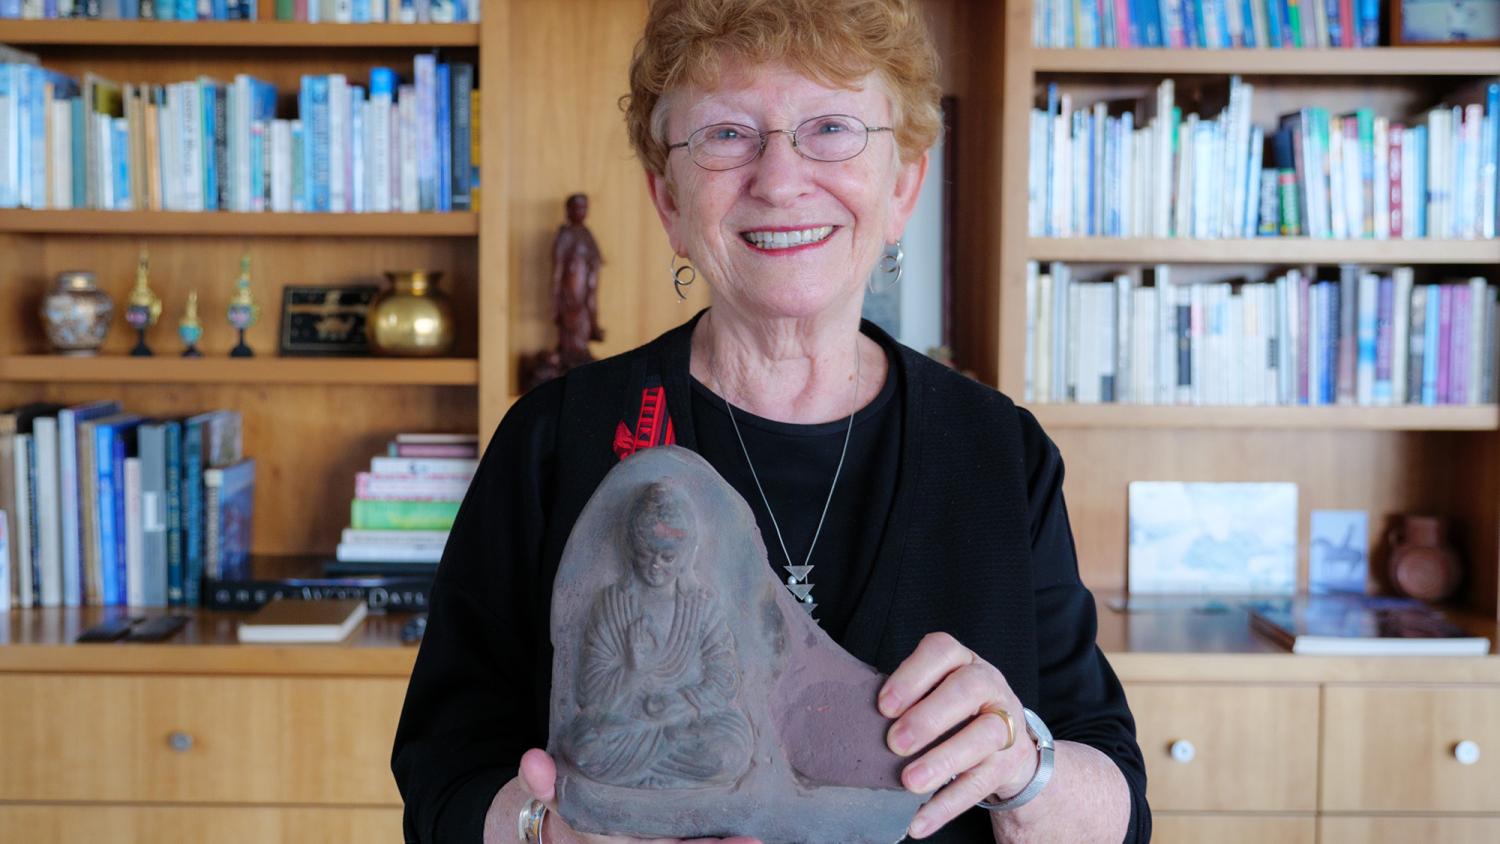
661	534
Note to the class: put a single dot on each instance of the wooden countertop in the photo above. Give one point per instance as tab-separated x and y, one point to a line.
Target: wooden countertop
1154	645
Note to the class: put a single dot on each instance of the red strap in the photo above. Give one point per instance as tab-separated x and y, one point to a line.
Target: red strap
652	428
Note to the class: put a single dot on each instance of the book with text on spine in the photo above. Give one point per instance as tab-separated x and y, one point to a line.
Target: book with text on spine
1360	626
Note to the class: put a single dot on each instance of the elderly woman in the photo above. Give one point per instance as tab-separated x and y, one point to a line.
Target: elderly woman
917	513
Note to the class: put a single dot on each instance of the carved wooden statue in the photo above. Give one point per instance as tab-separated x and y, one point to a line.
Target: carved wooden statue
575	298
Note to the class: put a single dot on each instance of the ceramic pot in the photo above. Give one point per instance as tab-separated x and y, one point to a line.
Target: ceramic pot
76	314
411	318
1422	564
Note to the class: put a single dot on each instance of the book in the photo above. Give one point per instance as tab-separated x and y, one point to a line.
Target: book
402	515
1360	626
395	591
4	568
304	621
70	489
229	502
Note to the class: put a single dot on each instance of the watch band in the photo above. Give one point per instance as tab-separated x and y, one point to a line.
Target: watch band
1044	749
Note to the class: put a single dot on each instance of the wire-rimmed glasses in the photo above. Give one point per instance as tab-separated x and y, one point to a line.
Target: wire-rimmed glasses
828	137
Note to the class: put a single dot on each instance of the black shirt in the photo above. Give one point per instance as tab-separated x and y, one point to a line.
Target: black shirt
796	464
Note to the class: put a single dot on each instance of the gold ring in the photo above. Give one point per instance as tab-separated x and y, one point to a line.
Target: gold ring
1010	724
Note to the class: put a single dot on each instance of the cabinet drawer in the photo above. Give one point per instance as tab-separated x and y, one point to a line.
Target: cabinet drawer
1238	748
1396	749
198	739
1167	828
1404	830
37	824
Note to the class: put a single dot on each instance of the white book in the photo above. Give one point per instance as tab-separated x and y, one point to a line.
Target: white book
281	166
1382	179
394	537
378	128
135	540
361	553
1143	387
104	133
343	11
192	148
1401	332
1042	349
48	517
438	439
1337	194
410	188
1071	343
60	154
1123	298
1033	271
25	454
338	143
1294	321
357	150
4	562
1366	327
423	466
291	620
1479	300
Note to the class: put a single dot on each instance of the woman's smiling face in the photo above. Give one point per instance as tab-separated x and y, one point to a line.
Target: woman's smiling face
784	236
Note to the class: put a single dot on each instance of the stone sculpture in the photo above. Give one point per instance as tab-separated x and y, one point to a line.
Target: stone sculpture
690	695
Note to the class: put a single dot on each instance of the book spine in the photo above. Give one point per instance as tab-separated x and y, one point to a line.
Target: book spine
49	519
1384	340
174	514
408	487
462	135
1417	344
192	486
391	595
135	565
402	515
1445	343
212	523
111	590
25	458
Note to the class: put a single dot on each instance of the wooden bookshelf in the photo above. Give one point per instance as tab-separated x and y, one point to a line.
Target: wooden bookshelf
233	224
165	369
239	34
1170	417
1270	250
1379	61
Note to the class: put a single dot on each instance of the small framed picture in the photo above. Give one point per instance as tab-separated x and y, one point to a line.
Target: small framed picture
1338	552
1434	22
325	320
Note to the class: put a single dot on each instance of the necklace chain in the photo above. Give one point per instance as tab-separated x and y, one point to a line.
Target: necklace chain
804	596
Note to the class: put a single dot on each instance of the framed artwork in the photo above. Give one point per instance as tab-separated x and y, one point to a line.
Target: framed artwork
325	320
1433	22
1338	552
1212	538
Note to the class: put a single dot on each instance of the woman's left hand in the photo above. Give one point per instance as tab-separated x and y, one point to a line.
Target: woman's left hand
941	686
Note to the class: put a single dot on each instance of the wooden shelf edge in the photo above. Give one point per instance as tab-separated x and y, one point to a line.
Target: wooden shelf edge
462	372
1398	418
1385	61
234	224
1270	250
236	34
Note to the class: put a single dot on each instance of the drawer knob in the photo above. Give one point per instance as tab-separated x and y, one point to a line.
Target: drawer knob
1183	751
1466	752
180	741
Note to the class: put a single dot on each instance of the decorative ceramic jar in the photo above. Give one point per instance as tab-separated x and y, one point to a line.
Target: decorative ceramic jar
1422	564
76	314
412	317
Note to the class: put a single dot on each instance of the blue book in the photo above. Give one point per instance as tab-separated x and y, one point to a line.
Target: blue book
362	11
425	72
463	130
1415	209
79	153
69	492
1273	22
1490	165
315	122
166	10
444	104
111	505
193	437
1369	23
219	9
359	198
1431	343
299	169
120	166
173	431
10	164
10	9
1331	346
187	10
229	504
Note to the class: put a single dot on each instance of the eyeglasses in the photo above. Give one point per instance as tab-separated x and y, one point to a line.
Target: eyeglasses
725	146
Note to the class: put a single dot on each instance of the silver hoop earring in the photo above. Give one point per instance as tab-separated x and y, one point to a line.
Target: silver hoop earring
891	264
682	276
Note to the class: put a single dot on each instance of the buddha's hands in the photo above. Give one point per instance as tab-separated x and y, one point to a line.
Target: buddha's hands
667	706
942	686
539	777
640	643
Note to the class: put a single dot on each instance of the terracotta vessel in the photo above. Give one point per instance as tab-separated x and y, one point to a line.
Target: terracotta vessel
412	317
76	314
1422	564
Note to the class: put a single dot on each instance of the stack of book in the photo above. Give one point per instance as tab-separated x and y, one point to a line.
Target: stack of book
206	145
379	11
146	10
1350	335
1205	23
405	504
108	508
1145	170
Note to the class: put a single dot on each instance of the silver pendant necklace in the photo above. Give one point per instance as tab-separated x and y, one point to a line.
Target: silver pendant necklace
796	580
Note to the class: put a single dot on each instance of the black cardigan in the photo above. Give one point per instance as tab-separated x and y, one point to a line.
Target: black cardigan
956	558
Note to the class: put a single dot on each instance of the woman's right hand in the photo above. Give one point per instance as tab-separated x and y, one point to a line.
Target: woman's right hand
538	781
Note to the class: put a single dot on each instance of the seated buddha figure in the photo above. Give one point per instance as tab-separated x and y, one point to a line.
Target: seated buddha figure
658	674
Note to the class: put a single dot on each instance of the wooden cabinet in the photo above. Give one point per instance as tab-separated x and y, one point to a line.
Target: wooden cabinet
1405	830
1225	748
1172	828
35	824
1423	749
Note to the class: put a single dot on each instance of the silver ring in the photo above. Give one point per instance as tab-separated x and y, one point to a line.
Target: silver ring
529	823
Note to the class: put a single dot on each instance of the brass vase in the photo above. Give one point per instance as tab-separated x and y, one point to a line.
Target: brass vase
411	317
76	314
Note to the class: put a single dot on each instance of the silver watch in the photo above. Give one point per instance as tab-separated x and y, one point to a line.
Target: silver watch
1043	738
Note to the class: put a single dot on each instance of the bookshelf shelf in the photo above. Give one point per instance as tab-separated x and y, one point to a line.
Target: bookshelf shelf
1279	250
1402	418
259	34
261	370
222	223
1381	61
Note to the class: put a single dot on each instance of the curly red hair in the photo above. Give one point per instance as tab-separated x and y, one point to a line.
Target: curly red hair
835	42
